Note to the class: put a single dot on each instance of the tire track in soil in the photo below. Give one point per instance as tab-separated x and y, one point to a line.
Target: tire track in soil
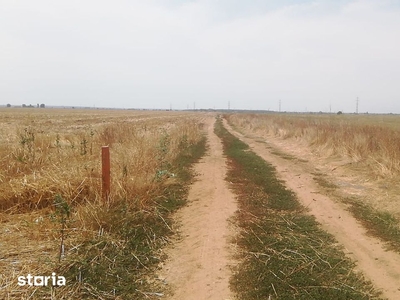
199	264
380	266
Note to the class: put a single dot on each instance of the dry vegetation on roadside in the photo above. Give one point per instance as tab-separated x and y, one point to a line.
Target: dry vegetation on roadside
47	153
373	142
50	179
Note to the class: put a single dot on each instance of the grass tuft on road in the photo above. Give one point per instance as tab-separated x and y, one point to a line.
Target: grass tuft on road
283	252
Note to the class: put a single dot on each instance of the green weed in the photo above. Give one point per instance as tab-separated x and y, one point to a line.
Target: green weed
381	224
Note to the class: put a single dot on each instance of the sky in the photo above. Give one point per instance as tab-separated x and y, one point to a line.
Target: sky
246	54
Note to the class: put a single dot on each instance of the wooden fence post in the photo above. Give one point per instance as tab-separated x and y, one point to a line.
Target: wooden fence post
105	167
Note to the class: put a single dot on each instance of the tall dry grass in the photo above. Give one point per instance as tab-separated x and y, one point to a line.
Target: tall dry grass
370	141
47	152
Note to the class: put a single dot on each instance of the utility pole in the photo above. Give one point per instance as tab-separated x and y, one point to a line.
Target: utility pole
194	105
280	103
357	106
330	108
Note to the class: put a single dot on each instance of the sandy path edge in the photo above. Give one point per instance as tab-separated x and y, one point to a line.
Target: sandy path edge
378	265
198	266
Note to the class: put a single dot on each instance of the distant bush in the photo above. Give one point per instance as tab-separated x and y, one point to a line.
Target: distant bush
339	112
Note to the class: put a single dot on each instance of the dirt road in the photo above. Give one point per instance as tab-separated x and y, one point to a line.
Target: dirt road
198	265
377	264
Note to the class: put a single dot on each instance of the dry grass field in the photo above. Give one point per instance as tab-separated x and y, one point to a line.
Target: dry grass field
50	184
372	141
54	217
44	153
358	156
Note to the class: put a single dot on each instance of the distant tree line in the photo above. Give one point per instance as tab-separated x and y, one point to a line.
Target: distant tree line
30	105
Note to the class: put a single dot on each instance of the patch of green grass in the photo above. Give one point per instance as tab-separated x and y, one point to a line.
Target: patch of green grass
284	253
380	224
283	155
286	155
323	182
280	153
118	263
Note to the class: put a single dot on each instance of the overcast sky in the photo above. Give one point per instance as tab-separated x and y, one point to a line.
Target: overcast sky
157	53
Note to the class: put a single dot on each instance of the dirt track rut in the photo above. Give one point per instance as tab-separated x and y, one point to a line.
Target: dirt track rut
198	267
